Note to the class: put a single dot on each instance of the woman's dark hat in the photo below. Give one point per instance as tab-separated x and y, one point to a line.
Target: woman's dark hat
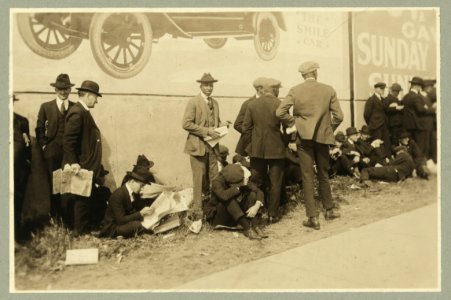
90	86
144	162
62	82
141	174
207	78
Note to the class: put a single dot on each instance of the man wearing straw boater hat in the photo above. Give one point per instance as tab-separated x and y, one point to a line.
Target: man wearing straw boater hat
50	129
121	218
82	149
200	119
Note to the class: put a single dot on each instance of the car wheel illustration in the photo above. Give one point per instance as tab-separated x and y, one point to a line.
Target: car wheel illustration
267	35
215	43
121	42
45	34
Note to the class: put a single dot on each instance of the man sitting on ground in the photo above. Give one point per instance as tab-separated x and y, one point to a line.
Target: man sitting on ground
238	201
340	163
121	218
371	150
397	169
418	158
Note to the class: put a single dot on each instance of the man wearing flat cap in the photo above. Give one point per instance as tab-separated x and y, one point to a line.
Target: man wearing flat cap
375	117
266	148
241	146
200	119
416	111
121	216
50	129
82	149
313	104
394	110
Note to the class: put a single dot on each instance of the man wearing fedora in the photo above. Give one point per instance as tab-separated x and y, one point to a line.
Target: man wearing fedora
394	110
82	149
415	111
200	119
375	117
242	143
50	129
316	115
121	217
266	146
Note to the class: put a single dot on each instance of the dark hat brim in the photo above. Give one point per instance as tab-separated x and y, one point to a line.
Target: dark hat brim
59	86
138	177
89	90
206	81
149	165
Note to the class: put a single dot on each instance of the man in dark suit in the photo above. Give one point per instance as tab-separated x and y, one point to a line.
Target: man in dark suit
242	144
394	110
418	157
398	169
431	94
22	159
313	103
200	119
266	148
82	149
121	217
375	117
415	109
50	129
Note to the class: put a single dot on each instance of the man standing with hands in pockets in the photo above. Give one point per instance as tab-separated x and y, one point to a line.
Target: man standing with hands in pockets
313	104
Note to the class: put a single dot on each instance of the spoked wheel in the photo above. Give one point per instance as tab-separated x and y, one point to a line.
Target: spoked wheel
267	35
121	42
215	43
45	35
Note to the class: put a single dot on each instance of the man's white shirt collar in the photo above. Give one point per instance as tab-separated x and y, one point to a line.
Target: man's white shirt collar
205	97
350	141
414	90
130	192
84	105
378	96
59	102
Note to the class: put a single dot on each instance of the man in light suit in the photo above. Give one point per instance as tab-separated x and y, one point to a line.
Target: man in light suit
82	149
266	148
242	143
50	129
313	103
200	119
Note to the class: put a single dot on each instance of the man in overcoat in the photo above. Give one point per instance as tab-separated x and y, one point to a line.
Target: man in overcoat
200	119
316	115
50	129
266	148
375	117
82	149
394	111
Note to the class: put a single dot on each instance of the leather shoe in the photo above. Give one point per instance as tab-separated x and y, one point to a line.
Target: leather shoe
251	234
312	222
260	233
331	214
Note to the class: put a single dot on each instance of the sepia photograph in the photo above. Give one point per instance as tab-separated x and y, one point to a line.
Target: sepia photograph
258	149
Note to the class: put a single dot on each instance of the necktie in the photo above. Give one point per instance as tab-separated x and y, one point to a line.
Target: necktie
63	109
210	103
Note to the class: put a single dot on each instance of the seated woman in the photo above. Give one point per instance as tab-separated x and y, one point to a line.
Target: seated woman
121	218
238	200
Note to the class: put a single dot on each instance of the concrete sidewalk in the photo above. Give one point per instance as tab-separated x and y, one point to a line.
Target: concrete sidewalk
396	253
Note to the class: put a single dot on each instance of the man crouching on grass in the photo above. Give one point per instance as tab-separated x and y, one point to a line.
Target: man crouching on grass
238	200
121	219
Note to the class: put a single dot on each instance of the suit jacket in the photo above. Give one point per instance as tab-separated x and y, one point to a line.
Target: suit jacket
119	211
22	152
262	128
395	117
242	142
403	164
195	121
374	113
48	112
81	140
428	118
413	110
313	102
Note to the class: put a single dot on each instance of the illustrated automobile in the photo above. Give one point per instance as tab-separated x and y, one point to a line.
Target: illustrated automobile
122	42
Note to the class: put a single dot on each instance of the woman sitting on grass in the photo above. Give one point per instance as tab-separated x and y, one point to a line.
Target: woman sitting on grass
121	218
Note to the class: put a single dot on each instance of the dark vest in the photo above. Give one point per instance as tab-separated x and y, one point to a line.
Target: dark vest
60	128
